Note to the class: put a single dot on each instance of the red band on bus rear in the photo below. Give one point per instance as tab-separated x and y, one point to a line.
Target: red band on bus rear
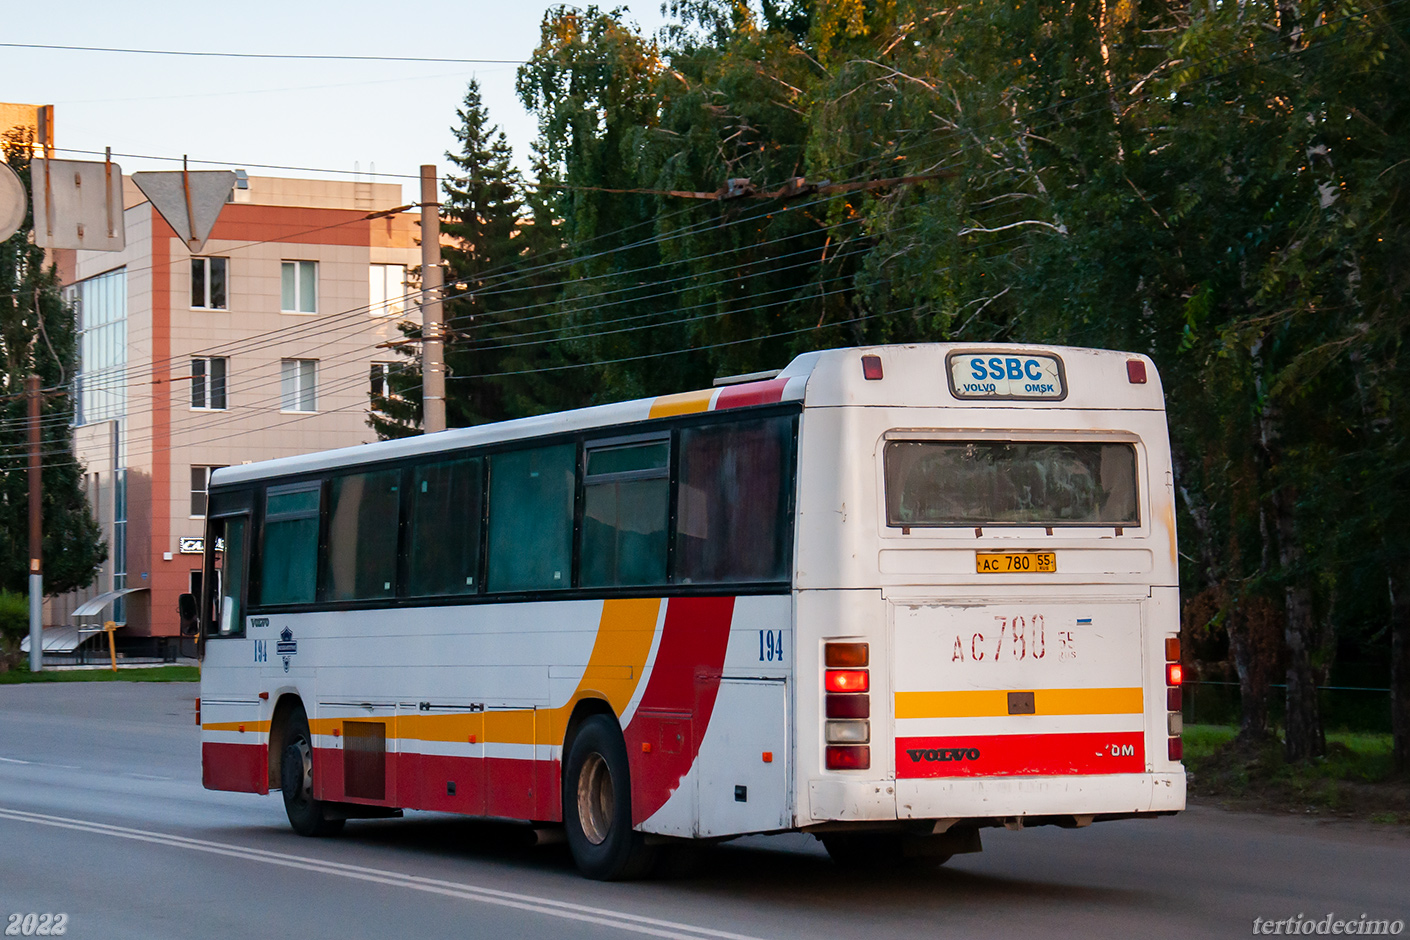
1008	755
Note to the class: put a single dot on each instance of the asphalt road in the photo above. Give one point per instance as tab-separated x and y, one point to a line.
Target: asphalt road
103	818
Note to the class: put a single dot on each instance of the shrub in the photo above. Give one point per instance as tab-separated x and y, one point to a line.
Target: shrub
14	624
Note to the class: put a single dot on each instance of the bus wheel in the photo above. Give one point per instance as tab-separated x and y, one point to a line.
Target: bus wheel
306	814
597	805
877	851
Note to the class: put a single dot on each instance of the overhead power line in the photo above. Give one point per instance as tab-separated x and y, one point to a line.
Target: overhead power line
301	56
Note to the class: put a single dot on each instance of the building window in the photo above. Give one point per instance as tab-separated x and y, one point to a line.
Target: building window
200	486
387	290
101	383
298	384
381	387
208	280
299	287
208	383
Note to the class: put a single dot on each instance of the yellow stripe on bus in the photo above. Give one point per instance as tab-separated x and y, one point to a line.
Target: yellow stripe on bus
991	703
615	668
251	726
682	403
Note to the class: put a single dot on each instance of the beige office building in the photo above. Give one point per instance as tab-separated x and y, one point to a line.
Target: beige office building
264	345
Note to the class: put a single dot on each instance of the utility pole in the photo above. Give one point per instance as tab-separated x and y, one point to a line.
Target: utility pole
433	370
36	535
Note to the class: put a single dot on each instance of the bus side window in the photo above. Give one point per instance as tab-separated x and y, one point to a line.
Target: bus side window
289	546
361	561
531	518
732	502
626	502
443	544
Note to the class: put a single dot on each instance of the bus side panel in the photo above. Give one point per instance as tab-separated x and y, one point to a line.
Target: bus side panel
717	763
234	724
240	767
680	695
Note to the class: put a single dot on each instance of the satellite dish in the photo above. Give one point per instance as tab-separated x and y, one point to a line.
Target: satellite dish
12	202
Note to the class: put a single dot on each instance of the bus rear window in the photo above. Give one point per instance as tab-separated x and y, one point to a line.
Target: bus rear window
943	483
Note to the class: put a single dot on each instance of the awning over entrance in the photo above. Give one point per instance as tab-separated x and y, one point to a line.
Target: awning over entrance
63	639
95	606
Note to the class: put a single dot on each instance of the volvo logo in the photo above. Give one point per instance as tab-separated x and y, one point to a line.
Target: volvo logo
918	754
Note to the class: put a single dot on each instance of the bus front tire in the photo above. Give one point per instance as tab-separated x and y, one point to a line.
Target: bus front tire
306	814
597	805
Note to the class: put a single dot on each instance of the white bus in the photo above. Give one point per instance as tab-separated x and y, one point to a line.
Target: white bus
891	596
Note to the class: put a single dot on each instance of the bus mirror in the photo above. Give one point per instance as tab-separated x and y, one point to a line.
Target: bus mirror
186	611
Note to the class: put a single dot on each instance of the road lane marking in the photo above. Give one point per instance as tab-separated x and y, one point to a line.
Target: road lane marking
524	902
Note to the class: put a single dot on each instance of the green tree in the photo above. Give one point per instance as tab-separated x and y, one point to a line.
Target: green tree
38	335
488	292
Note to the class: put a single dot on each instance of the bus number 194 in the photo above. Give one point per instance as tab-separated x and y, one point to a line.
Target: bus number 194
770	646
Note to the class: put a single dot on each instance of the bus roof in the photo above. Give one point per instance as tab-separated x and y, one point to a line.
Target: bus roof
911	376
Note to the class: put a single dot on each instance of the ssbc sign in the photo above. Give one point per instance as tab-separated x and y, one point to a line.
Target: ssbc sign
1006	375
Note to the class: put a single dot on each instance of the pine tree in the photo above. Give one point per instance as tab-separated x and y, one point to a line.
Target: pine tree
38	335
482	213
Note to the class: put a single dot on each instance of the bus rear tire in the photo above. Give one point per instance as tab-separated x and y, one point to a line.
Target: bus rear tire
306	814
597	805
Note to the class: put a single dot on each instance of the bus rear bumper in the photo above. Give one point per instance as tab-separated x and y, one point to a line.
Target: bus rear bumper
995	797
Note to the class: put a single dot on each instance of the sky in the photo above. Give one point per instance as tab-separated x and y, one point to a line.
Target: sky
316	114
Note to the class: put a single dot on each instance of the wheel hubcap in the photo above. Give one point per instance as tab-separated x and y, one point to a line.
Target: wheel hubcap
595	798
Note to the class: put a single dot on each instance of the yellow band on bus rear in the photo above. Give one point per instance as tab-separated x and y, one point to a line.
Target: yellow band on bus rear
995	702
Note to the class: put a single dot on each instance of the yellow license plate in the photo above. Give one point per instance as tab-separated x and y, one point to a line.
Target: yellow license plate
1015	562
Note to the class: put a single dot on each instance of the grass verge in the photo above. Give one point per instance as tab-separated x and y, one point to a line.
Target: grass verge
1354	780
22	674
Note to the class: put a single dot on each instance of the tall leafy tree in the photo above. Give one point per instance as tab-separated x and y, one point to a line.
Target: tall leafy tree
38	335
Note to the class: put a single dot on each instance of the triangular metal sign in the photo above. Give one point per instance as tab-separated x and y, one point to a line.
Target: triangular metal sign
190	202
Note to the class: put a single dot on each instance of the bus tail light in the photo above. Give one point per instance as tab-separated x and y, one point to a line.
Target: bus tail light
847	703
871	368
846	680
850	731
1135	372
843	655
1174	676
848	706
848	757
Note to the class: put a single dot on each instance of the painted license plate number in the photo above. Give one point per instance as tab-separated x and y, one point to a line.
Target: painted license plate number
1015	562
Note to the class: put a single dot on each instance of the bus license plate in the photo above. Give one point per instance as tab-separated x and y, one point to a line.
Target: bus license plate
1015	562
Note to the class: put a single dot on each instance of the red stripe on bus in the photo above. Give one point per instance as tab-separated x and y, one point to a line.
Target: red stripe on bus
679	697
751	393
239	767
1005	755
